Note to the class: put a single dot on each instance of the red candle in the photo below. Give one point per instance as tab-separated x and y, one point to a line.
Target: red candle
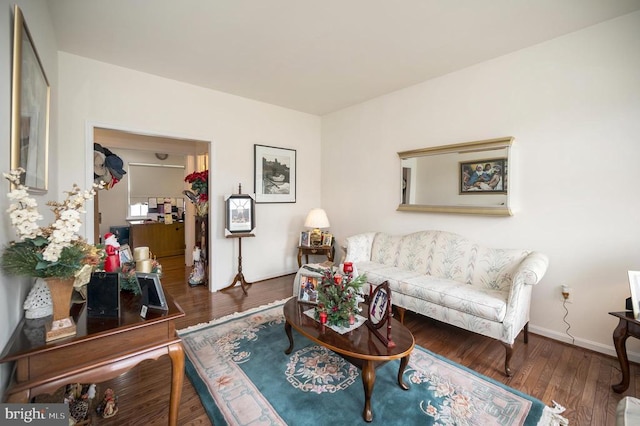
323	317
347	267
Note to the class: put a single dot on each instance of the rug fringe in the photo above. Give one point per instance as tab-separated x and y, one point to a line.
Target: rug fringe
552	418
232	316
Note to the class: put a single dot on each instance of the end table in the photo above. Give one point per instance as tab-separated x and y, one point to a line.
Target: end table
627	326
314	250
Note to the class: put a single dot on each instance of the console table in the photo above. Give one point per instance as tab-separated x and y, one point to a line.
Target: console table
319	250
102	349
627	326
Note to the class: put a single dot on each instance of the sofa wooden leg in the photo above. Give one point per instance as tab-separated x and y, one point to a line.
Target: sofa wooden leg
526	333
401	312
507	359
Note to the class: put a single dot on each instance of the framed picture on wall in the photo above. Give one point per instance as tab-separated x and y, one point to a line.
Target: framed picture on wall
483	176
30	100
240	214
274	174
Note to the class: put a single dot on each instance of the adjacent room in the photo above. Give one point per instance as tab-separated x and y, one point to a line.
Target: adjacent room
384	205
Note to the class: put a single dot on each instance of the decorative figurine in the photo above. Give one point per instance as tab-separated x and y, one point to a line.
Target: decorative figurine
111	246
109	405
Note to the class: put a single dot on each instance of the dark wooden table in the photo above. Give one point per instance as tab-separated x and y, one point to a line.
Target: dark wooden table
360	346
102	349
627	326
314	250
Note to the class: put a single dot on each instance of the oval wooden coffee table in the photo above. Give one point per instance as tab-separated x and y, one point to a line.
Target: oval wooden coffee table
360	346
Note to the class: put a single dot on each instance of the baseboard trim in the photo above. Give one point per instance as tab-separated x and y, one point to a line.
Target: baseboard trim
587	344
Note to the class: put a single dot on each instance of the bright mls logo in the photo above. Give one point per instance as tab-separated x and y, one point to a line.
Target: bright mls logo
34	414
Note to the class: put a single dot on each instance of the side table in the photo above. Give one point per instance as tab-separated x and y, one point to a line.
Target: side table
102	349
627	326
314	250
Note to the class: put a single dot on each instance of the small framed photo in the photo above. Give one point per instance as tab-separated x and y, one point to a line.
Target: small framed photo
483	176
304	239
274	174
240	213
634	283
308	289
327	239
125	254
152	293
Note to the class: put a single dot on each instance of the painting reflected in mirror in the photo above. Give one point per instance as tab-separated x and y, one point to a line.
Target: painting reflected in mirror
470	177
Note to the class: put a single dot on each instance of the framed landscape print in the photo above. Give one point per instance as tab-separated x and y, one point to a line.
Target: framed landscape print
483	176
274	174
30	99
240	214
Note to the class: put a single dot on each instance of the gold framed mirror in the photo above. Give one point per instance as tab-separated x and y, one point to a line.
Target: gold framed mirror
467	178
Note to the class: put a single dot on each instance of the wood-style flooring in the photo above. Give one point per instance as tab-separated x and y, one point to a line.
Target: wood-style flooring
577	378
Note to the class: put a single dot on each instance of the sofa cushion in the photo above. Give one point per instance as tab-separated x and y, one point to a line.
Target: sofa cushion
385	248
359	247
480	302
494	269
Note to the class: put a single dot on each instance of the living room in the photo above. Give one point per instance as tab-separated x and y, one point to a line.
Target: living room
571	103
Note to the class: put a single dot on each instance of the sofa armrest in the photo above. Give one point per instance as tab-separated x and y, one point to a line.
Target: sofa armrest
532	268
358	247
530	272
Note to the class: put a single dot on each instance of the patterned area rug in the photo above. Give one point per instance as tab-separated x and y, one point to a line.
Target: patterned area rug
243	377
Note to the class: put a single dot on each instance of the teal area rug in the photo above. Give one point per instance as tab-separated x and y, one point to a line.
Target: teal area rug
243	377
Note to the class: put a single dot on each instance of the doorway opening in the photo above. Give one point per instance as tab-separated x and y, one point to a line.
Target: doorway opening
158	164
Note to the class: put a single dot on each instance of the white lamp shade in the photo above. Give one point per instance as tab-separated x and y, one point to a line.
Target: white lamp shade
317	218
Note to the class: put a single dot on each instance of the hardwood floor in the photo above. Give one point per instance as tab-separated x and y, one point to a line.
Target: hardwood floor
577	378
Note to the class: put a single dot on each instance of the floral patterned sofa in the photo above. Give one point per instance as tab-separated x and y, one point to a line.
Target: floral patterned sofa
452	279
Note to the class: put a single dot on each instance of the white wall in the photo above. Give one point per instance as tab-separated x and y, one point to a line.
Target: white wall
573	106
13	290
95	92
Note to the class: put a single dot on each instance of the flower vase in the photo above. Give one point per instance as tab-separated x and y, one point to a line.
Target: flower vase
62	324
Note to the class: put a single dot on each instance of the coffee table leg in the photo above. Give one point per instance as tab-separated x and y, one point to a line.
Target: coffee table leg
368	380
287	329
403	364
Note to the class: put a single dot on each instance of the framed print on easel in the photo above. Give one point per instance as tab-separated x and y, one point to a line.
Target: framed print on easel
240	214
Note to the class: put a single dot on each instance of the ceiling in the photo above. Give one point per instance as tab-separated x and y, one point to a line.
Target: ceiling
314	56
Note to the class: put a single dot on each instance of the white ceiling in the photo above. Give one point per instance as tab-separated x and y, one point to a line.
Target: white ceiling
314	56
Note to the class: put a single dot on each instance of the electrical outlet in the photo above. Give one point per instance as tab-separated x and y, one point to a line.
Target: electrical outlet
567	294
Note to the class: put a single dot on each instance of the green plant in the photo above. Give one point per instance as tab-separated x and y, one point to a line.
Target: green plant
337	296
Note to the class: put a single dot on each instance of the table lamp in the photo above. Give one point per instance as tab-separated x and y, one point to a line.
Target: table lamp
316	219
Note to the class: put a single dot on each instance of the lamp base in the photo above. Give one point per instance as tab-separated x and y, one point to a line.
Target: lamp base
315	238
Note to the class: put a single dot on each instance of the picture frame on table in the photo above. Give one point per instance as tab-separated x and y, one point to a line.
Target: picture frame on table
327	239
30	103
304	239
486	176
125	254
240	214
152	293
308	290
634	284
274	174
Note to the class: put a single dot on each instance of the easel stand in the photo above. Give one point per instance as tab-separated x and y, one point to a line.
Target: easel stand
239	278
